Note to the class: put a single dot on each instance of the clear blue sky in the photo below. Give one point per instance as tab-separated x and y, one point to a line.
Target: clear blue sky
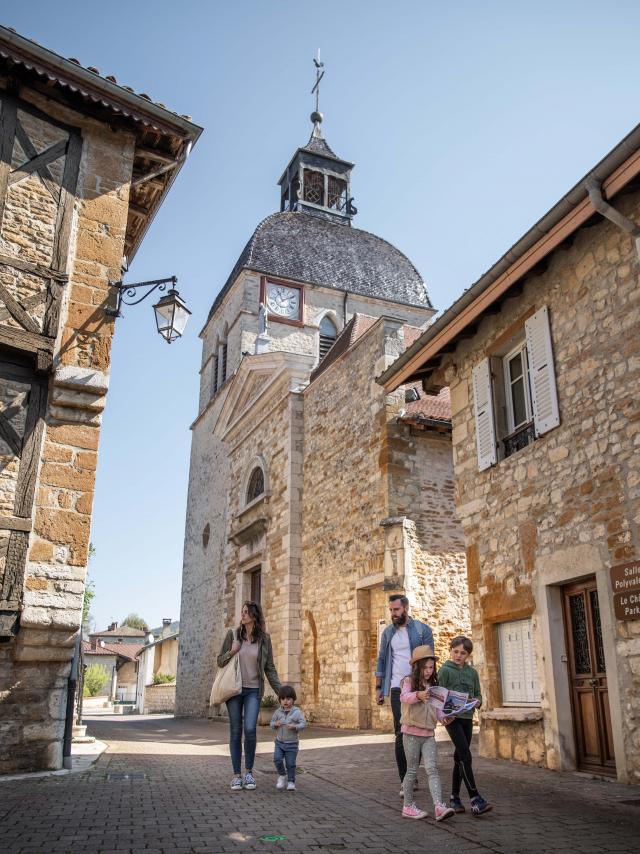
466	121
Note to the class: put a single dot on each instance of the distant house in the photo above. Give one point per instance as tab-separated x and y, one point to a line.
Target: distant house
119	634
119	660
158	656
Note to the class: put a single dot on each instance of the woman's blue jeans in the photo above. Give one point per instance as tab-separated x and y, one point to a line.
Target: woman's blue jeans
247	702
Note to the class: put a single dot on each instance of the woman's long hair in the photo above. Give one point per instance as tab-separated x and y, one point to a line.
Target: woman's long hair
259	628
418	682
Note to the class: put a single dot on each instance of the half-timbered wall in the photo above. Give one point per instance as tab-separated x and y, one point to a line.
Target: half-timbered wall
64	189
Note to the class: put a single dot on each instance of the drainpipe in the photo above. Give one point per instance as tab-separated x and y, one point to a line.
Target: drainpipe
71	693
609	212
344	309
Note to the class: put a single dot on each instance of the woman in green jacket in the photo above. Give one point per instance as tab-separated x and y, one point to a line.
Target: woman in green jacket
252	644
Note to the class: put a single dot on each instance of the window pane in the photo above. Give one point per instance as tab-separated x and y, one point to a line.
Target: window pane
313	187
518	401
515	367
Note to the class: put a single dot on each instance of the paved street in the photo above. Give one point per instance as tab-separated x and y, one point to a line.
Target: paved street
177	799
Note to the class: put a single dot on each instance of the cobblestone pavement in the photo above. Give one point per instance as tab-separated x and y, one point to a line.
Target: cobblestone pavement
177	799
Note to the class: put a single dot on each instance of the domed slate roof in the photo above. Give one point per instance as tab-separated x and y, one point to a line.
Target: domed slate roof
305	248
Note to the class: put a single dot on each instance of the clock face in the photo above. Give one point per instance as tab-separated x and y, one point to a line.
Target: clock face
283	301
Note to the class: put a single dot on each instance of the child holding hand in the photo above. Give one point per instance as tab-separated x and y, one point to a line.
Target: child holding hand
287	721
418	722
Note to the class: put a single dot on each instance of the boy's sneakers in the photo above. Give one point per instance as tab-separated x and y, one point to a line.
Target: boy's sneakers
479	806
443	811
236	783
249	781
281	781
456	804
413	812
291	786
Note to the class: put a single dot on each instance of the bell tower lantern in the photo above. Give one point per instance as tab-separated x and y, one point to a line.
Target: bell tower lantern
317	181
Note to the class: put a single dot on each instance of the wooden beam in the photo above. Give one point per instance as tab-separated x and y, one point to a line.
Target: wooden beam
152	154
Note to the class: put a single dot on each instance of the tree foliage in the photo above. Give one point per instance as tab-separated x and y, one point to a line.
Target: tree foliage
135	621
95	678
162	678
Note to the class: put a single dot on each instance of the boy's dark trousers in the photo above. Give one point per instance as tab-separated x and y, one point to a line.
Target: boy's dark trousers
284	754
460	732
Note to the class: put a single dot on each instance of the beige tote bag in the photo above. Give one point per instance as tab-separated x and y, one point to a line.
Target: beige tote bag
228	682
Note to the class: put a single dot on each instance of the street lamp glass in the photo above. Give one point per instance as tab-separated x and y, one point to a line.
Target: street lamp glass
171	316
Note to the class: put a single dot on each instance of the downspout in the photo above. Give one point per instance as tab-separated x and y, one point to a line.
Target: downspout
344	309
166	168
609	212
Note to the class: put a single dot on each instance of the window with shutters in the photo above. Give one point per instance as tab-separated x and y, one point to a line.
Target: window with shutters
214	375
515	397
223	372
518	671
328	334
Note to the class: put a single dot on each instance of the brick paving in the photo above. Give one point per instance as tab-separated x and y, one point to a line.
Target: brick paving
177	799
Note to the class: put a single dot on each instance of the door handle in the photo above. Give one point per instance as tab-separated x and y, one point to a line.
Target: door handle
593	681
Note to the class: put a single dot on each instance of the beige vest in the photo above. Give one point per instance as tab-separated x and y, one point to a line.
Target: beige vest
420	714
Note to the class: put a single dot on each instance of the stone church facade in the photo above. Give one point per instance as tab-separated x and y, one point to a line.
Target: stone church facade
311	489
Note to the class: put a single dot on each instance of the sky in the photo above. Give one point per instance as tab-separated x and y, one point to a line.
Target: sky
466	120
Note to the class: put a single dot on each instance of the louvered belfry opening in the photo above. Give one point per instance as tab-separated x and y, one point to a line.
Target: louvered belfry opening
328	334
337	193
313	187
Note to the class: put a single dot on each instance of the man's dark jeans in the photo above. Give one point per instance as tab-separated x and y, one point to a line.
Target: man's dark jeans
396	708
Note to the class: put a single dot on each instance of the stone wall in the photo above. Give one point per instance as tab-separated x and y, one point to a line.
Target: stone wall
35	665
159	699
567	505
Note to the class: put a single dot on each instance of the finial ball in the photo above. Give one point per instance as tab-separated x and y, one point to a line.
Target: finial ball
316	117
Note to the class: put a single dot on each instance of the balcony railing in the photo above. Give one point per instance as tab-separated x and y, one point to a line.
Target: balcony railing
519	439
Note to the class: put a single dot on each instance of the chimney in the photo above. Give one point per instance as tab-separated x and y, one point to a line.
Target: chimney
112	626
166	627
94	643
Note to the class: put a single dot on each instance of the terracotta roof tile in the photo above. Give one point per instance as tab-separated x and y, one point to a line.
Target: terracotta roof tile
428	407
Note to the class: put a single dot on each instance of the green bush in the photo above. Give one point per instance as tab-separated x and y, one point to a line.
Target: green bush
95	678
162	678
268	702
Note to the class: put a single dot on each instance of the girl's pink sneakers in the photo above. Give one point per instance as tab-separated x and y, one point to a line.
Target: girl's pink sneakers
443	811
413	812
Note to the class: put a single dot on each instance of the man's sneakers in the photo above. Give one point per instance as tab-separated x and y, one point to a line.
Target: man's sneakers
249	781
479	806
456	804
281	781
443	811
291	786
236	783
413	811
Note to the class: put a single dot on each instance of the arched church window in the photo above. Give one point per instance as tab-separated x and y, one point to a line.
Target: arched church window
256	484
313	187
328	334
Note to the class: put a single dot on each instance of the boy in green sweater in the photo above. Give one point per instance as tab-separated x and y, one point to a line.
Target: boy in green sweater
456	675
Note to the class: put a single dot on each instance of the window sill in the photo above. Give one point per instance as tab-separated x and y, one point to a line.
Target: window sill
252	504
519	714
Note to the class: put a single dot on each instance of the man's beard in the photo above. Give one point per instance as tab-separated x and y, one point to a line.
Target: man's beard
399	621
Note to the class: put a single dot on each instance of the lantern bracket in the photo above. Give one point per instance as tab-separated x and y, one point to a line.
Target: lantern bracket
127	293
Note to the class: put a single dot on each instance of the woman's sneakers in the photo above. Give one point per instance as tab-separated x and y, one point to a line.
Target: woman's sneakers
249	781
281	782
479	806
456	804
443	811
413	812
291	786
236	783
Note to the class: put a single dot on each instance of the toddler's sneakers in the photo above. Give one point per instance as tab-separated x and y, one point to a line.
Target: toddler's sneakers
443	811
249	781
479	806
291	786
236	784
413	812
281	781
456	804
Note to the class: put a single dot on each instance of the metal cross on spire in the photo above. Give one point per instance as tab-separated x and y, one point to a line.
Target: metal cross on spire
316	116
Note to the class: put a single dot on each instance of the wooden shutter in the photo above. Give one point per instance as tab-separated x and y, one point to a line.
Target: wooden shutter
485	423
542	376
518	669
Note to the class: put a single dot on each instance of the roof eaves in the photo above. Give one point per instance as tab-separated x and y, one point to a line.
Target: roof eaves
603	173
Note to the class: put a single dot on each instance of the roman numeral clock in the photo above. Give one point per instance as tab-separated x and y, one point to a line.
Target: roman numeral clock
284	301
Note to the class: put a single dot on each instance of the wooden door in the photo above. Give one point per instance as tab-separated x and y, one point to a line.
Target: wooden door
23	399
588	679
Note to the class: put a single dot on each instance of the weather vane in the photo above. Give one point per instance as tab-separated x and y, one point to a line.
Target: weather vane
316	116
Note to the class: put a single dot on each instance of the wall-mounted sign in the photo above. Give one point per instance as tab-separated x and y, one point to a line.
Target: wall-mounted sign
627	605
625	577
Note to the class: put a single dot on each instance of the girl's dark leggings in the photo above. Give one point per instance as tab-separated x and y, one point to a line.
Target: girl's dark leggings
460	732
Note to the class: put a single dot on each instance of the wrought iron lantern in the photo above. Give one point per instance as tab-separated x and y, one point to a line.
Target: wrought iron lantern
171	313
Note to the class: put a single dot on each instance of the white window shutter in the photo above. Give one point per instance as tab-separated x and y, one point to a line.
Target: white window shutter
485	422
544	396
518	668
